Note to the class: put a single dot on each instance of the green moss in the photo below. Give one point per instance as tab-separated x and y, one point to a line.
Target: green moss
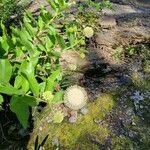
147	67
122	143
74	136
143	131
136	79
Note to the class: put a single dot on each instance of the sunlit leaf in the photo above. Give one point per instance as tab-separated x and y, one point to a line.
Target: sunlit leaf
5	70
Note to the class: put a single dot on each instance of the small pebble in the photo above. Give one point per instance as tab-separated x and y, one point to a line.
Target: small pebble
84	111
65	111
74	113
55	141
73	119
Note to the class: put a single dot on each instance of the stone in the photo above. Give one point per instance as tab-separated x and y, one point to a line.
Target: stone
55	141
73	119
107	22
71	57
84	110
74	113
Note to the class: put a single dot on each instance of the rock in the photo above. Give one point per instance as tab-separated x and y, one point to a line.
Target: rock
73	119
84	110
107	22
74	113
71	57
55	141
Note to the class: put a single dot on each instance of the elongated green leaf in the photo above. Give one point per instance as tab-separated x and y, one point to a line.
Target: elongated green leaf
42	87
61	42
61	3
40	23
53	5
1	99
21	83
50	82
4	44
72	39
28	25
5	70
27	70
32	31
49	44
9	90
20	106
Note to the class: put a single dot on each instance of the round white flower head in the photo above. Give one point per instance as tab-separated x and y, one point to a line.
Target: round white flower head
75	97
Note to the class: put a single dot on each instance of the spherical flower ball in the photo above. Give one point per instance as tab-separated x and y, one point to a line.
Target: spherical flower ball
75	97
88	32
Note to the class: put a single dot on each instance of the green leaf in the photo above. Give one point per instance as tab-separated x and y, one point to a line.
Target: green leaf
42	87
32	31
72	39
9	90
1	99
58	97
61	42
5	70
61	3
49	44
53	5
52	30
21	83
27	70
40	23
50	82
20	106
46	16
4	44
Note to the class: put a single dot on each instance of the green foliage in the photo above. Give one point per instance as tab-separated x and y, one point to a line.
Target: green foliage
20	106
1	101
10	8
5	70
29	61
95	5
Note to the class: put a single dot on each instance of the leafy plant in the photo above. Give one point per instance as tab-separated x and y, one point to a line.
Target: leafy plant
29	61
11	10
30	55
